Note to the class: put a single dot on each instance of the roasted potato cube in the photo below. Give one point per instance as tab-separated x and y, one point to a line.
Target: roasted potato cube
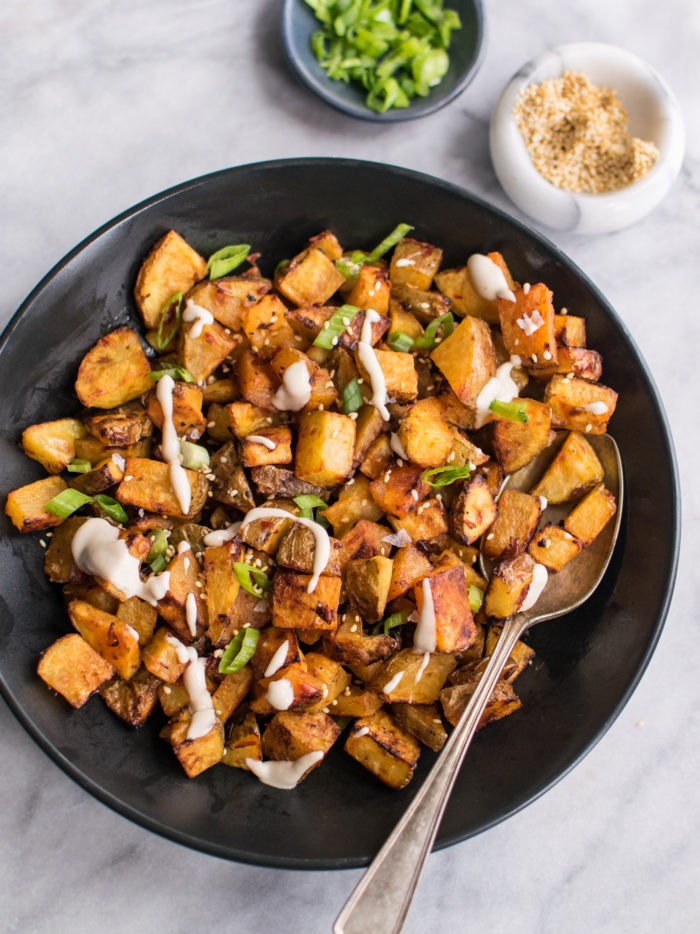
334	677
409	677
427	522
270	641
503	701
553	547
73	668
369	426
425	435
384	749
105	474
255	380
353	504
378	458
527	326
518	660
265	325
53	443
414	263
140	616
515	525
508	586
201	355
458	286
328	243
367	583
227	298
473	511
122	427
292	734
222	585
310	279
464	452
399	371
422	304
59	563
574	470
248	419
349	645
297	548
114	639
467	359
146	485
400	490
243	743
294	608
403	322
114	371
579	405
322	389
276	481
230	484
575	361
184	588
423	722
131	700
255	453
409	566
570	331
266	534
588	519
160	657
325	446
230	692
187	410
364	540
456	413
198	754
371	289
299	690
356	700
517	443
25	505
171	266
455	629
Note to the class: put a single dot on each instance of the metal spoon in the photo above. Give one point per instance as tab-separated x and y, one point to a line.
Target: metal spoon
380	902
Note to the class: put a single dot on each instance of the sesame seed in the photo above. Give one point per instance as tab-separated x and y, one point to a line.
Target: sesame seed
564	311
489	536
360	381
353	415
211	424
42	543
451	457
414	494
533	357
130	477
588	427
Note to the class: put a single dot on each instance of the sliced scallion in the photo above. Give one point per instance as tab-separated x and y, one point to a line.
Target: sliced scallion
239	651
79	465
156	556
400	342
352	397
329	334
398	233
439	477
391	622
174	370
307	502
111	507
429	340
67	502
194	456
476	598
227	259
246	574
513	411
170	315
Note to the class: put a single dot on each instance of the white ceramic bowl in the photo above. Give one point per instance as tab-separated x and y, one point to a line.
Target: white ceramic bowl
654	115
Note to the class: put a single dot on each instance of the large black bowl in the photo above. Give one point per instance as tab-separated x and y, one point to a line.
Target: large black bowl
588	663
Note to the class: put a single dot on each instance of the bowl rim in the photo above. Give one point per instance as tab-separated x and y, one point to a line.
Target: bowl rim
320	86
143	819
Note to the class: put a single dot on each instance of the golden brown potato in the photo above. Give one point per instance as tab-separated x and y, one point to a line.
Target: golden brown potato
467	359
353	504
265	325
414	263
473	511
25	506
554	547
349	645
309	279
455	629
427	522
515	525
114	371
574	470
409	566
457	285
73	668
425	435
325	446
53	443
334	677
378	744
579	405
294	608
517	443
171	266
231	692
367	583
160	657
227	298
291	735
369	428
146	485
255	453
248	419
255	381
297	549
59	563
222	585
187	414
201	355
399	371
419	303
244	742
588	519
503	701
197	755
527	326
140	616
184	580
114	639
105	474
356	700
399	490
371	290
423	722
408	677
508	586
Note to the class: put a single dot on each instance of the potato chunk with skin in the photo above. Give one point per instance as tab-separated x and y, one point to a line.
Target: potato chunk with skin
414	263
146	485
508	586
409	566
297	548
425	435
73	668
310	279
384	749
25	505
53	443
114	371
467	359
423	722
574	470
408	677
355	700
187	410
455	629
527	326
294	608
399	371
243	742
201	355
132	699
184	573
171	266
588	519
354	504
400	490
331	673
554	547
371	289
349	644
160	657
116	641
256	454
197	755
515	525
325	446
363	541
503	701
473	511
517	443
323	391
426	522
367	583
458	286
291	735
228	297
579	405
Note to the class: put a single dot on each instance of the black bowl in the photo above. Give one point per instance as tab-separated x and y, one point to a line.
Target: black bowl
299	24
587	664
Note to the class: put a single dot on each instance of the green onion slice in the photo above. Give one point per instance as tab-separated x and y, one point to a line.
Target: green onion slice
398	233
342	721
400	342
439	477
281	267
111	507
156	556
513	411
194	456
352	397
246	574
476	598
239	651
429	339
67	502
171	313
391	622
173	370
227	259
328	336
78	465
307	502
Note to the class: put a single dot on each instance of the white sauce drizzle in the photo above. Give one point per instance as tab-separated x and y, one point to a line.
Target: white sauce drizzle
361	731
530	323
499	388
393	683
283	774
191	613
119	461
295	390
423	666
322	552
526	288
221	536
368	359
194	678
537	585
183	546
405	261
595	408
260	439
424	639
280	694
170	445
488	278
98	550
397	447
277	660
544	502
200	316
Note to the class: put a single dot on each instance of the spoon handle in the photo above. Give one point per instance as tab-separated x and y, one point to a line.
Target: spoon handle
381	900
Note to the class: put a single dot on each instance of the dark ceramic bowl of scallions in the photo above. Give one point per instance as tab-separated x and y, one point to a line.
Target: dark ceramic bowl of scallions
384	60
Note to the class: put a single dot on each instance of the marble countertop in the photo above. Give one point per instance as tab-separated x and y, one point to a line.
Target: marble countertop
104	104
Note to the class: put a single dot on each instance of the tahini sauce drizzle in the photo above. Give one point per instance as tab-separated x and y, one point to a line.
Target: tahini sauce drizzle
488	278
500	388
170	445
537	585
424	639
194	679
221	536
199	315
368	359
322	552
277	660
285	774
280	694
260	439
191	613
295	390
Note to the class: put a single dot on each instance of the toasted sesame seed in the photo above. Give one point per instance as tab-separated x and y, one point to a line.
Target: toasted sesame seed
414	494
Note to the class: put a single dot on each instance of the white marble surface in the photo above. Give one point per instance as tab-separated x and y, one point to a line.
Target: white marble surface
106	103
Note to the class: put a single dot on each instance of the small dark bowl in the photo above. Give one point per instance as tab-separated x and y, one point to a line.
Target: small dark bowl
466	52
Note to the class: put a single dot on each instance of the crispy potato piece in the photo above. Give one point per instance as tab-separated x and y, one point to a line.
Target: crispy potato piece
53	443
133	699
349	645
473	511
93	450
423	722
248	419
515	525
369	427
503	701
334	677
371	289
409	566
160	657
140	616
228	297
464	452
414	263
323	391
222	585
265	325
276	481
367	583
467	359
422	304
269	642
243	743
146	485
384	749
353	504
574	470
518	660
579	405
188	419
425	435
576	361
116	641
400	490
554	547
307	690
59	564
328	243
201	355
231	692
105	474
364	540
455	629
197	755
427	522
114	371
457	414
527	326
73	668
570	331
291	735
517	443
325	446
266	534
508	586
407	677
230	484
256	454
356	701
121	427
310	278
457	285
297	548
184	573
171	266
399	371
403	322
378	458
25	505
255	380
294	608
588	519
